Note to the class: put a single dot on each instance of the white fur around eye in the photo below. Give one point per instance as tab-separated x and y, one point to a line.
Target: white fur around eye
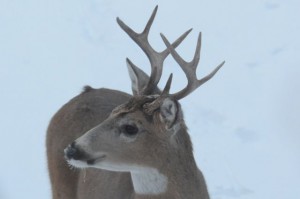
125	138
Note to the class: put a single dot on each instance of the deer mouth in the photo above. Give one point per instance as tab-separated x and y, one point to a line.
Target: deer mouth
95	160
79	158
81	164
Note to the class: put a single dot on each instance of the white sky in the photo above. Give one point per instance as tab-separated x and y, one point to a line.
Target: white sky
244	123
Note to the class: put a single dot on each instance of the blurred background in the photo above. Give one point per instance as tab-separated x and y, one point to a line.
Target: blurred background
244	122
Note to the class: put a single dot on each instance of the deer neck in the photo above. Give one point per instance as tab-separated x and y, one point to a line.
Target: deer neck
176	179
149	181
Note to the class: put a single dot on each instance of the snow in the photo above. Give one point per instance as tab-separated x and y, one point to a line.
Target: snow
244	122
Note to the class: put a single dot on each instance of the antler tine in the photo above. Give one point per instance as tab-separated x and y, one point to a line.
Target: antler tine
156	59
189	69
168	86
140	38
150	107
157	71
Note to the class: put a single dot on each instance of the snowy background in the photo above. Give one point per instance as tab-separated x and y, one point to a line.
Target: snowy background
244	122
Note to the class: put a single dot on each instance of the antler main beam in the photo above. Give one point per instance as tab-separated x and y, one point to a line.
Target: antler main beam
189	68
156	58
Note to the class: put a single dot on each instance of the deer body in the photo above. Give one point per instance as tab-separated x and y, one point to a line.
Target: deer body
83	113
134	147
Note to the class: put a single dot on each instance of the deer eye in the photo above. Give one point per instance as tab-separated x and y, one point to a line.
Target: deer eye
130	130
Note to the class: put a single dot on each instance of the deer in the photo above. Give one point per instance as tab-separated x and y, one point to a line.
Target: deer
126	146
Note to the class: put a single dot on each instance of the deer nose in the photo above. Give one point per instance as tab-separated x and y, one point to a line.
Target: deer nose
72	152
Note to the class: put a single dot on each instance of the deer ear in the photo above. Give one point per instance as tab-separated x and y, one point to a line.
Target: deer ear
139	79
168	112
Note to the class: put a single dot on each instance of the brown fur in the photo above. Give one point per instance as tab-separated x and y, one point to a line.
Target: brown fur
88	110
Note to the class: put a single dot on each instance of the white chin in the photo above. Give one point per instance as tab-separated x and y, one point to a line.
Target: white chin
78	164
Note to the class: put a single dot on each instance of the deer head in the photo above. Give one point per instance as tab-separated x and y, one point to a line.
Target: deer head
149	129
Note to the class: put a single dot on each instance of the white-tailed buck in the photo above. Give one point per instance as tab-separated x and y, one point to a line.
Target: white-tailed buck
133	147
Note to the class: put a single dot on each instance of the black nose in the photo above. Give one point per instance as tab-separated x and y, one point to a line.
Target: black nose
73	152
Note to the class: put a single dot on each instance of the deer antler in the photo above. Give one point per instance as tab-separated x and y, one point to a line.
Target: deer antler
156	58
189	68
